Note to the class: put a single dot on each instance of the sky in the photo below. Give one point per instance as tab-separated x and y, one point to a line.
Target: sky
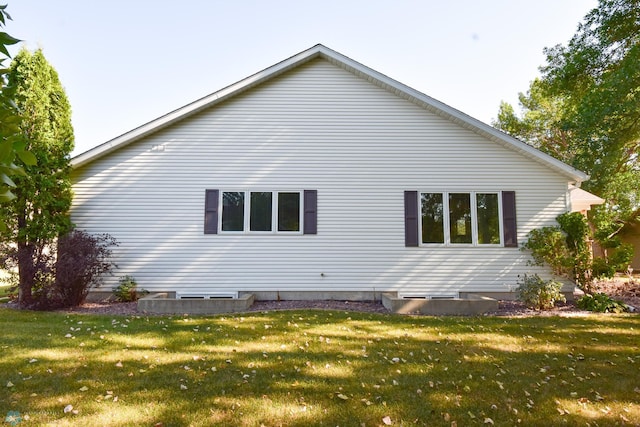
124	63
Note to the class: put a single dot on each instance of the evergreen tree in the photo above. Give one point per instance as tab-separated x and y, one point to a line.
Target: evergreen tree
39	212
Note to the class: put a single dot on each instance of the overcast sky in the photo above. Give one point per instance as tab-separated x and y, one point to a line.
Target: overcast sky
126	62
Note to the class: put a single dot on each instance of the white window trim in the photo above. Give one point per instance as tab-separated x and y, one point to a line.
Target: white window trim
474	219
274	211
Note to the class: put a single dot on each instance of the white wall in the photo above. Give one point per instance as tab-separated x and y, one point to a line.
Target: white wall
316	127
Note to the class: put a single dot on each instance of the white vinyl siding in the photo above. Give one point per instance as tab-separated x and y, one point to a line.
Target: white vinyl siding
318	127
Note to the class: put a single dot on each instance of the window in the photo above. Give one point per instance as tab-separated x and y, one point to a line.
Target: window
460	218
261	212
288	211
432	218
265	211
232	211
488	218
261	215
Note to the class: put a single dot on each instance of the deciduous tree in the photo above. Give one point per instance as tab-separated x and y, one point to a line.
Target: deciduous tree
585	109
11	146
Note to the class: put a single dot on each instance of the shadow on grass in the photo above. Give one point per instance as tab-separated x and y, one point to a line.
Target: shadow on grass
302	368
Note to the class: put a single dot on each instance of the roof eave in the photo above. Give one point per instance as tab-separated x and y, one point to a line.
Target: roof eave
194	107
355	67
450	113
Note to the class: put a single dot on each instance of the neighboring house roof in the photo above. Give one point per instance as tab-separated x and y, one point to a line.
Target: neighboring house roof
582	200
320	51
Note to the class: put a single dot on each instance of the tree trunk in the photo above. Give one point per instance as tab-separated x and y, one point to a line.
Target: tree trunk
26	272
26	266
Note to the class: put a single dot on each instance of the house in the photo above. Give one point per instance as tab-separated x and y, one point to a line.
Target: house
319	177
630	234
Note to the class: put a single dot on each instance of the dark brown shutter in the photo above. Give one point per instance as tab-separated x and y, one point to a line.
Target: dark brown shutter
211	211
310	210
411	218
509	222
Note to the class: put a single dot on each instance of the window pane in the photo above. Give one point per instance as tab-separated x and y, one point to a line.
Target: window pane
260	211
460	218
488	219
432	218
288	211
232	211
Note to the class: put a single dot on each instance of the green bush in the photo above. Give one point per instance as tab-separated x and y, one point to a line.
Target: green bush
539	294
127	290
601	303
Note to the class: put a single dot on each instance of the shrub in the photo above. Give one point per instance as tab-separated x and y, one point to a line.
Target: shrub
548	247
539	294
74	264
566	251
127	290
82	259
601	303
63	270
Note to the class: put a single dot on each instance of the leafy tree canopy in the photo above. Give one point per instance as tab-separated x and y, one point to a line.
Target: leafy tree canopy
585	108
11	147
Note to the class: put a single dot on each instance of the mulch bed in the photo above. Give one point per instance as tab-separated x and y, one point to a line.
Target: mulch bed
624	289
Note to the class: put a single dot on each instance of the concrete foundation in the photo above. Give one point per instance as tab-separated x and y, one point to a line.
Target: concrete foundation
317	295
100	296
467	305
166	303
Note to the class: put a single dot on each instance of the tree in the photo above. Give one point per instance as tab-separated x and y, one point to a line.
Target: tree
541	124
585	110
598	73
11	147
39	212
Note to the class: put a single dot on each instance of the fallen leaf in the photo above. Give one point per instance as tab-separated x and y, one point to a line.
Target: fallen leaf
68	409
488	421
85	388
342	396
9	384
387	420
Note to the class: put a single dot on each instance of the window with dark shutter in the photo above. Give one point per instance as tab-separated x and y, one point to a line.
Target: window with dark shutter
211	212
310	212
411	218
510	225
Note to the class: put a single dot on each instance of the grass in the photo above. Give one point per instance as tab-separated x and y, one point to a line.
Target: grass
300	368
4	292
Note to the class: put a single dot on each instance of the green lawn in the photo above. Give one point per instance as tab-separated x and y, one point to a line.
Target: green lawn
300	368
4	292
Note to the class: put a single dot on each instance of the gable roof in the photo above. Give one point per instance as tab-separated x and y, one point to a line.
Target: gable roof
379	79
